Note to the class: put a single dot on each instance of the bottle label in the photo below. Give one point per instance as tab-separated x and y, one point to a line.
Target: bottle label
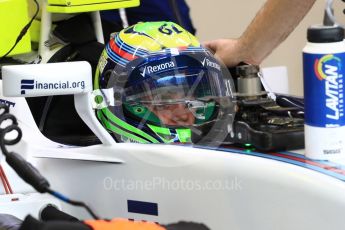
324	89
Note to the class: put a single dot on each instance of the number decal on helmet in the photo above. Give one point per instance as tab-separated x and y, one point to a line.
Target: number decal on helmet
165	30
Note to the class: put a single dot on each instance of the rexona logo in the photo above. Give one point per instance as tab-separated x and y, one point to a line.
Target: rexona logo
157	68
327	69
29	84
208	63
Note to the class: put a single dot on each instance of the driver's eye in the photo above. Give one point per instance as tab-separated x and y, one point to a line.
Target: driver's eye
169	107
161	107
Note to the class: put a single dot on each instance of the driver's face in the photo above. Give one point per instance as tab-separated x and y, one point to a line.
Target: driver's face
174	114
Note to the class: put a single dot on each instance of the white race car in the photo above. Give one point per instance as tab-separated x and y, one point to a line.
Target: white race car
223	188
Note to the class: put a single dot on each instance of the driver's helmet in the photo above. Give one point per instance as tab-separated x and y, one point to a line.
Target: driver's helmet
155	83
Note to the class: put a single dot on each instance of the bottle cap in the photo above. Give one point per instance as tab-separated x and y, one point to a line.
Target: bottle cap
325	34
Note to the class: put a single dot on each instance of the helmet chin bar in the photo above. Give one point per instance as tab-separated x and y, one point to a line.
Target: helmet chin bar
213	133
68	78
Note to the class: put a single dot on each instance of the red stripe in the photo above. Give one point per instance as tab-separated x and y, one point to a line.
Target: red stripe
4	182
114	47
182	48
326	167
303	160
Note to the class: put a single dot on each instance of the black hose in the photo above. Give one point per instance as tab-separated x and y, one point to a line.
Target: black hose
24	169
22	32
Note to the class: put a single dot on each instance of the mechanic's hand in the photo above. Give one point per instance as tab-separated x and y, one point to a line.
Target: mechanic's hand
229	51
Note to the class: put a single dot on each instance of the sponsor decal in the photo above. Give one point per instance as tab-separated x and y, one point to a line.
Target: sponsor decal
131	30
157	68
332	151
30	84
327	69
208	63
102	63
128	140
8	103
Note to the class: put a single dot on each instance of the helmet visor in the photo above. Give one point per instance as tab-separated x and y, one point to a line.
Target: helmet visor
177	97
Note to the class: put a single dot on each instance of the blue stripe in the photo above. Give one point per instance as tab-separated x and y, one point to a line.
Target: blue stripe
193	48
282	159
130	49
60	196
142	52
27	86
325	162
142	207
115	57
185	51
25	81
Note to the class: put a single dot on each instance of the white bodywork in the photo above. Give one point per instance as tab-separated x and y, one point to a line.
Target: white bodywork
220	189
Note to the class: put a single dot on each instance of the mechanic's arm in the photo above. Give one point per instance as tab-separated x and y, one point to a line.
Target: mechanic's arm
272	24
